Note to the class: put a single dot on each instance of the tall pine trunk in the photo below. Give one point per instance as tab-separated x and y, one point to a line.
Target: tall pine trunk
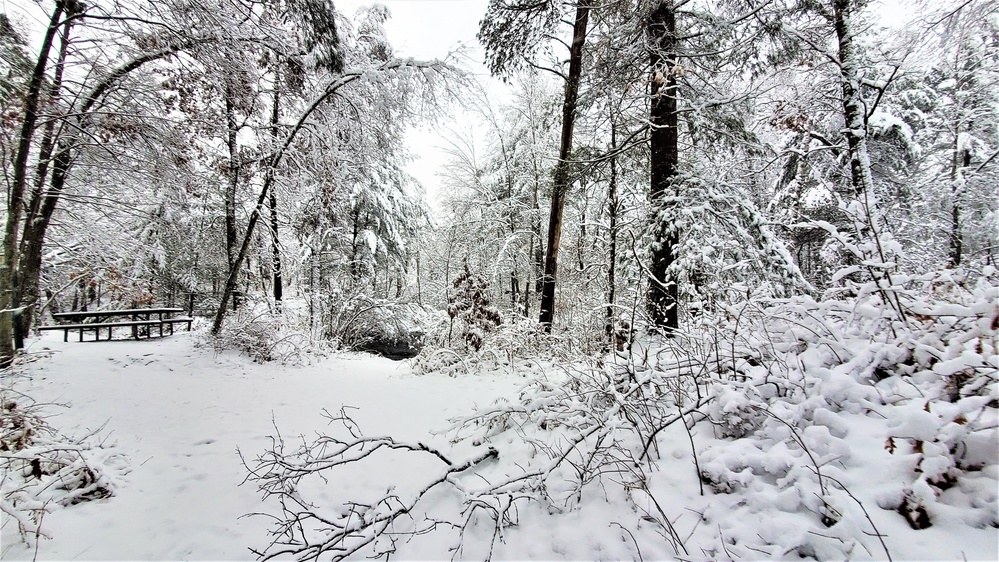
275	241
561	178
855	131
613	206
853	104
663	293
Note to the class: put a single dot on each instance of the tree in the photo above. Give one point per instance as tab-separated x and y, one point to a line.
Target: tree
376	71
140	42
663	295
9	290
511	33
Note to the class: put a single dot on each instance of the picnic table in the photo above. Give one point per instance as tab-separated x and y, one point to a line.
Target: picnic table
134	318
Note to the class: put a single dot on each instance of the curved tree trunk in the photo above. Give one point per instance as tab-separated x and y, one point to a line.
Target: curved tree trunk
562	179
9	292
40	207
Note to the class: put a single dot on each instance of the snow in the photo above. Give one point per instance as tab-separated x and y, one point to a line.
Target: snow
181	412
815	462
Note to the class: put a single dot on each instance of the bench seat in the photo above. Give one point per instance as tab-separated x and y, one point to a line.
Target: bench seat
96	326
171	321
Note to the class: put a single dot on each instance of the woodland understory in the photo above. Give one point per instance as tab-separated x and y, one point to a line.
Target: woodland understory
769	227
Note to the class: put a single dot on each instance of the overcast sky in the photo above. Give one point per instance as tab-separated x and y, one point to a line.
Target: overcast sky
428	29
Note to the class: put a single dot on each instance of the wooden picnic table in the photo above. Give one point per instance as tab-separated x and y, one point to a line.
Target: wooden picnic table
130	312
136	317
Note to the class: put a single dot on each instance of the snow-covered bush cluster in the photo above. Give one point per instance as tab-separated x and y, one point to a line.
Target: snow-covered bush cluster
516	347
256	335
842	390
42	469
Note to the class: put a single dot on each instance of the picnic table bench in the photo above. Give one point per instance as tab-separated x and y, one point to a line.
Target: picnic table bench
134	318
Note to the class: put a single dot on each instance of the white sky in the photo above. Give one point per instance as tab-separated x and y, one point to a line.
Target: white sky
428	29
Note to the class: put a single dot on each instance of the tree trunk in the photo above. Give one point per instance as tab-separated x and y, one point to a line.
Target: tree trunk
9	304
355	270
561	178
613	206
962	159
534	251
275	241
34	233
853	104
36	221
232	182
663	294
230	283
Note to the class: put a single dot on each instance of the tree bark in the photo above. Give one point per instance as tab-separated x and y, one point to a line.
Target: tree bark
36	221
561	177
275	241
9	291
613	206
962	159
663	293
232	182
853	104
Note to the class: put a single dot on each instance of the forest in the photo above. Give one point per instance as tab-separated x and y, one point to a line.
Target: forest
736	259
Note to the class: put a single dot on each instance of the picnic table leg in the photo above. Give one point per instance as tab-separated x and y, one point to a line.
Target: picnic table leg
65	335
81	334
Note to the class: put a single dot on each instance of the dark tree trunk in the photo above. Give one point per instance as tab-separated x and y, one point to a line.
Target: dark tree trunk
663	293
613	206
956	237
275	241
534	251
854	108
355	270
232	182
561	178
232	179
230	283
34	232
9	276
36	221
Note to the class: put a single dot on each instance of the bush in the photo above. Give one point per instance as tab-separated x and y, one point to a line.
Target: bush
44	469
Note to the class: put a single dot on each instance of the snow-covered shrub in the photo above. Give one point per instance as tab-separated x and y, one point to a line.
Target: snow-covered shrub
469	306
922	371
252	334
43	469
264	336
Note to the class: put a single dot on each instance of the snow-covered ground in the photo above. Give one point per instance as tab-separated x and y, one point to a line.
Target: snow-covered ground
180	413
